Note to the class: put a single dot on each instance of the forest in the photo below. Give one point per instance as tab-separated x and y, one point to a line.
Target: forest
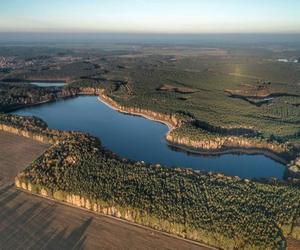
191	84
138	77
222	211
188	132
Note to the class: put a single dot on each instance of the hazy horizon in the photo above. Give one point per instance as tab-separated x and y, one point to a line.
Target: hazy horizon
217	39
140	16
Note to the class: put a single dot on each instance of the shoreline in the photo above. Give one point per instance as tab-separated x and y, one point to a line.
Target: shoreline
187	149
235	151
168	124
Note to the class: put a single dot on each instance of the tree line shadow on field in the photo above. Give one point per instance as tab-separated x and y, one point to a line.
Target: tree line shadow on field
27	224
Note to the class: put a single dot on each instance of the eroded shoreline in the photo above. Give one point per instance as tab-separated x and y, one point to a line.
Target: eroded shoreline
168	124
187	148
68	149
207	147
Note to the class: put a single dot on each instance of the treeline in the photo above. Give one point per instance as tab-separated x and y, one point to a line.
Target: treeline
222	211
68	72
191	135
14	95
225	131
19	94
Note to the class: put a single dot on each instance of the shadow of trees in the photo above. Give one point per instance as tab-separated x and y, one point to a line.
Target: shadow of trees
27	224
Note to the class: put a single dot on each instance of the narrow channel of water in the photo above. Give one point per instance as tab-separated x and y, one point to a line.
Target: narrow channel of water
140	139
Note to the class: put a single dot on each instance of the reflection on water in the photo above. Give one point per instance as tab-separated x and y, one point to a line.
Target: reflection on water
140	139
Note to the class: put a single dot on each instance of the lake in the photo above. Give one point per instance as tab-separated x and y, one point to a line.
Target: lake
48	84
140	139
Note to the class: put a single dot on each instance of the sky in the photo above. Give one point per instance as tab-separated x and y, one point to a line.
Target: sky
151	16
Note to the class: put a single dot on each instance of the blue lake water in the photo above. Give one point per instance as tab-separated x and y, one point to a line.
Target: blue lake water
48	84
140	139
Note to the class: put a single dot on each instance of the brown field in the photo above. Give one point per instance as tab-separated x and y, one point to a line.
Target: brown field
15	154
31	222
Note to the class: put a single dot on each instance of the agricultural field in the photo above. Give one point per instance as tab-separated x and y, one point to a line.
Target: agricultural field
141	124
213	93
200	206
15	154
31	222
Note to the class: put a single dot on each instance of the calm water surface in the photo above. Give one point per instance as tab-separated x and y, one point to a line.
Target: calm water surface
140	139
48	84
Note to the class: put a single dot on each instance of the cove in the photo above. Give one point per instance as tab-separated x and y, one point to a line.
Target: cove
140	139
